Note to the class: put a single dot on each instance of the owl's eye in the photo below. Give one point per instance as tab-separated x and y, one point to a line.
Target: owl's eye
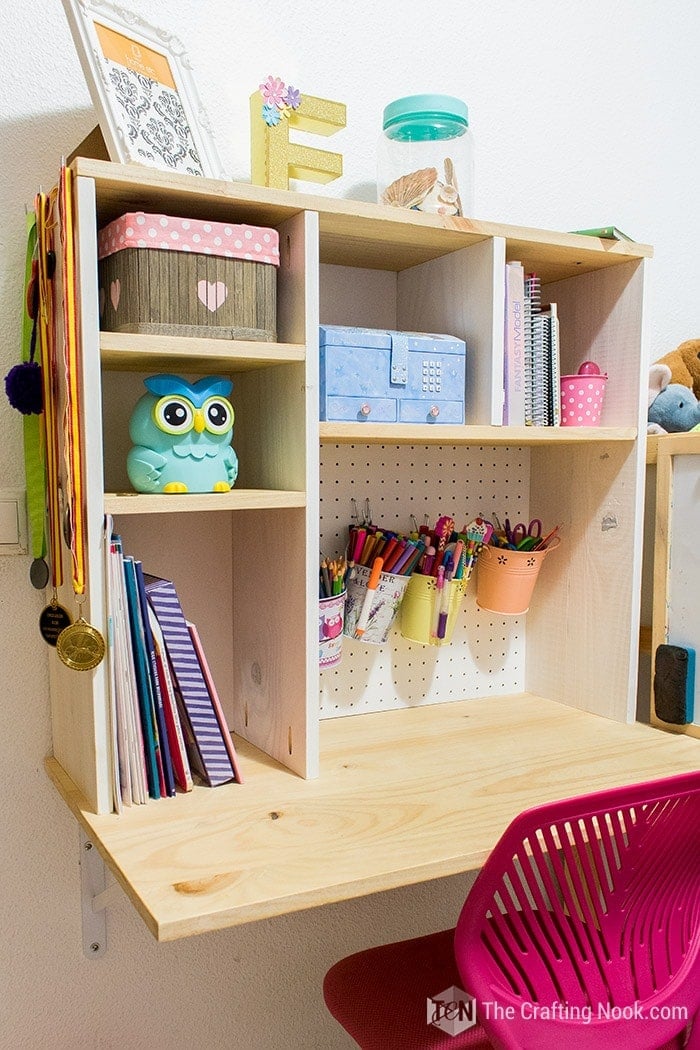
218	414
174	414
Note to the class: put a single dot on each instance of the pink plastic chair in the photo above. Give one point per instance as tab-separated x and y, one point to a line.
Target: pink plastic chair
584	924
581	932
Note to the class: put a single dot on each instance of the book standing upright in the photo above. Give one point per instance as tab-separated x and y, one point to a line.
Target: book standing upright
514	346
209	754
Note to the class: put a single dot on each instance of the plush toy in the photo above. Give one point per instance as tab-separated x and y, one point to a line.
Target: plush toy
684	363
672	407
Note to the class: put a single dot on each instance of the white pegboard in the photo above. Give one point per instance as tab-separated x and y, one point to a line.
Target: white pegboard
487	653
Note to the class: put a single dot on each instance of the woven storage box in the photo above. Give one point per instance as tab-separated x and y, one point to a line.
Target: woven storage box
173	276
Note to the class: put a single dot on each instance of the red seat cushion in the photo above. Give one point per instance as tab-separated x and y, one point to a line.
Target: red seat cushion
380	995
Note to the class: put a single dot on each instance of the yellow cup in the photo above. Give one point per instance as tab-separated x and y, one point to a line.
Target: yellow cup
418	608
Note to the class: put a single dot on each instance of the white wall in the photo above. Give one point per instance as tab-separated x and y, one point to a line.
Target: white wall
583	115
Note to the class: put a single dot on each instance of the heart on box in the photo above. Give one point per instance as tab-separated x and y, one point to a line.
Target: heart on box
212	294
115	290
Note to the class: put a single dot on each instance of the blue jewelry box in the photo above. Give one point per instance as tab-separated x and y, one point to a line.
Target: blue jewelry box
371	375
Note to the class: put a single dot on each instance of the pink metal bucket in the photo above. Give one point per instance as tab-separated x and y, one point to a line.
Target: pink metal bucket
582	400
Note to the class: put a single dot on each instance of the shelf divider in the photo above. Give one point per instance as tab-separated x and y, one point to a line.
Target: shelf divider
448	434
167	503
127	352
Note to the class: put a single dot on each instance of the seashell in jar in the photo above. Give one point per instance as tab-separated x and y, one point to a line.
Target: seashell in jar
442	200
409	190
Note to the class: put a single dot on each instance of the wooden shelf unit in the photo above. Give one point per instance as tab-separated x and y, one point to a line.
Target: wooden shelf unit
572	659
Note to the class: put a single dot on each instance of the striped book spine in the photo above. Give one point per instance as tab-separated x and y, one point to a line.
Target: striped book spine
215	762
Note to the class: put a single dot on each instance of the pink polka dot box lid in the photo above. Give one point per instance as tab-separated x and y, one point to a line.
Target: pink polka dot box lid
140	230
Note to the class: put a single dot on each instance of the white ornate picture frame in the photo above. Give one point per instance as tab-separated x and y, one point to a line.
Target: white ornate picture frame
141	85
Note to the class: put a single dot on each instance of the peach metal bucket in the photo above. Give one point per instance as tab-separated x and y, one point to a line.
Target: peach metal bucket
506	579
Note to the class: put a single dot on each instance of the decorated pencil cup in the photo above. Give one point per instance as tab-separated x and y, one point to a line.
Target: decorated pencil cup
506	578
331	617
428	614
181	434
582	396
373	600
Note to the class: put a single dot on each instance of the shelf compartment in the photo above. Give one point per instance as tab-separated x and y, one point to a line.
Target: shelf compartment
198	502
124	352
352	233
405	796
428	434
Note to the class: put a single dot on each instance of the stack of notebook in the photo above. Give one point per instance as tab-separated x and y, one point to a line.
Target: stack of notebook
166	717
531	370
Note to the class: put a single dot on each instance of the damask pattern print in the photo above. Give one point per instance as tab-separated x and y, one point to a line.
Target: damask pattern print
156	125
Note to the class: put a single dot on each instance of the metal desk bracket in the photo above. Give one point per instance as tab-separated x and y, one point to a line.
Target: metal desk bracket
95	895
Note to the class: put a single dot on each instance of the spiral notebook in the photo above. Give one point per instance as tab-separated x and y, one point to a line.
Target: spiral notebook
542	358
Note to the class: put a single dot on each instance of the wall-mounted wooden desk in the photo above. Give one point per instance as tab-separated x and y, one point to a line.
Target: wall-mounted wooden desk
403	797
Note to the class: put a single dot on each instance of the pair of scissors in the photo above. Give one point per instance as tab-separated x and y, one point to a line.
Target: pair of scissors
524	537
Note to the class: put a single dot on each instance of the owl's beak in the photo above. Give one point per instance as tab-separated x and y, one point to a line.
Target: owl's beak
199	422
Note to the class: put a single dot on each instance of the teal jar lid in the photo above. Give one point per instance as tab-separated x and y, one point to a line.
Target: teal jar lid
425	118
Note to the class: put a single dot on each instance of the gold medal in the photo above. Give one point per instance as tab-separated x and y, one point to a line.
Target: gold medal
53	621
81	646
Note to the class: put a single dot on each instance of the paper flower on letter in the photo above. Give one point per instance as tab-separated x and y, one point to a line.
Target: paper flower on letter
273	91
293	97
271	115
277	101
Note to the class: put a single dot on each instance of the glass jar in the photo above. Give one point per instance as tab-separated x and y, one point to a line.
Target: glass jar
426	156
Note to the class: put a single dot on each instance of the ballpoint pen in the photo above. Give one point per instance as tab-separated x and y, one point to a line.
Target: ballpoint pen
362	622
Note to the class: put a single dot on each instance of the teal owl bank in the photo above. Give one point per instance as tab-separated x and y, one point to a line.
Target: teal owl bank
181	434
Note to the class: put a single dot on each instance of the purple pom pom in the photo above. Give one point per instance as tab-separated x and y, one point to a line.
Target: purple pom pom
23	388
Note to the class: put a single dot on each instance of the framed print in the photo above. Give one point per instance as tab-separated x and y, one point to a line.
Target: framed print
140	82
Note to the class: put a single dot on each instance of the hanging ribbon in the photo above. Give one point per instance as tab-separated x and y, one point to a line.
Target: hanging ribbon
33	422
54	619
72	434
80	646
49	376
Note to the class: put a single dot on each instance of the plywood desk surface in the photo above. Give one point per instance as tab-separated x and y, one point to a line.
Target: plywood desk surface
403	796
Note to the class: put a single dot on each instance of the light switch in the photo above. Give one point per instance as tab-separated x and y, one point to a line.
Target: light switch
13	521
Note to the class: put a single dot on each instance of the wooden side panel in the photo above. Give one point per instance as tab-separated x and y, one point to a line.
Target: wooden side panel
461	294
582	628
275	433
353	296
583	640
275	553
601	320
